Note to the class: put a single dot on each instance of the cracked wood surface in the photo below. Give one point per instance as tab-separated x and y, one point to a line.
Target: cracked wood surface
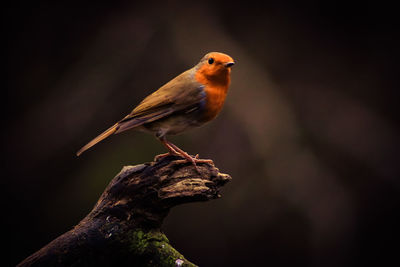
124	226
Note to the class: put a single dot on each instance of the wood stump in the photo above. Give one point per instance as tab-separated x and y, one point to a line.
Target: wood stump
124	226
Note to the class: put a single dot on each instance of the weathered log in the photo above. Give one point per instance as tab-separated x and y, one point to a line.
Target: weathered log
124	226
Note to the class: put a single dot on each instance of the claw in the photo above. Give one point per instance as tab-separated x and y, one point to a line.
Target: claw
158	157
174	150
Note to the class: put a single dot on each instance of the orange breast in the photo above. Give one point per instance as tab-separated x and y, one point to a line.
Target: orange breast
216	83
214	101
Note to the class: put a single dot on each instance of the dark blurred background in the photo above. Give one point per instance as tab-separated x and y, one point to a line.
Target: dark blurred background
309	132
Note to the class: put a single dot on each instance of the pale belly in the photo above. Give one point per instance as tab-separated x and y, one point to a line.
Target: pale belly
172	125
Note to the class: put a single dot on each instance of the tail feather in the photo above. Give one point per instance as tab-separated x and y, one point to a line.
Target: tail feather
99	138
127	123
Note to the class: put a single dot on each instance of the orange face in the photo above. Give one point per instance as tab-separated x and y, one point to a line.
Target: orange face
214	67
213	71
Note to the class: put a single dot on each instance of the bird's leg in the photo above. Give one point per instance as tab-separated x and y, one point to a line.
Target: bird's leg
194	160
176	151
171	150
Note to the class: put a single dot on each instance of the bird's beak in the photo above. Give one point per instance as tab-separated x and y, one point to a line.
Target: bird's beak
229	64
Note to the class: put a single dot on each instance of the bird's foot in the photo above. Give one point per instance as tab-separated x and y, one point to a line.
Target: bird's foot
194	160
161	156
186	158
176	151
197	160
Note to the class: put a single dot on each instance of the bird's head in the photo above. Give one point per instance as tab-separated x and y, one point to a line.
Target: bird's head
215	66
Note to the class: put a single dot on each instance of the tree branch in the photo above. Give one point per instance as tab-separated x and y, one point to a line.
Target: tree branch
124	226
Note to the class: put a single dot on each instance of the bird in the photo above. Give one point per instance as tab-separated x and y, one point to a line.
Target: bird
189	100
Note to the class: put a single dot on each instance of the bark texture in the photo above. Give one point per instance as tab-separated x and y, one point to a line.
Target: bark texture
124	226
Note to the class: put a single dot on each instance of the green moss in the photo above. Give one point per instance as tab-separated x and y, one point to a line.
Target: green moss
157	245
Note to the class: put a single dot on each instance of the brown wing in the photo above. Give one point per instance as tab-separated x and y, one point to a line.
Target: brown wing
180	93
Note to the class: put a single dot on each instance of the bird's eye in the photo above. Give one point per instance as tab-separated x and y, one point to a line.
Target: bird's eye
210	60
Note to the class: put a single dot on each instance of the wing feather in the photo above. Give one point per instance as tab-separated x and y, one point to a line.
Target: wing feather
180	93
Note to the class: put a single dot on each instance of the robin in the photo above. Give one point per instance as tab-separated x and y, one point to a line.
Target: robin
189	100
